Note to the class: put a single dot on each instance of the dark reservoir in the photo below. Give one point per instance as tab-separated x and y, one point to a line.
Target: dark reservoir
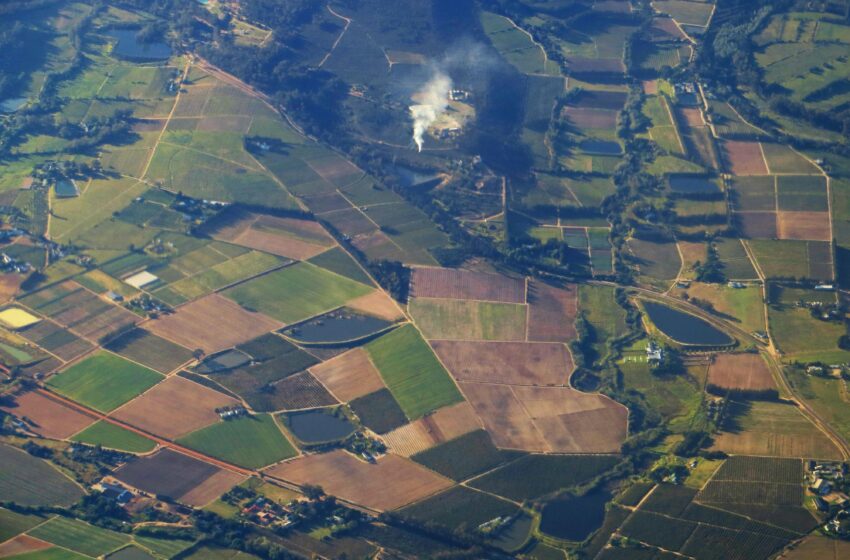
684	327
317	426
574	518
129	47
337	326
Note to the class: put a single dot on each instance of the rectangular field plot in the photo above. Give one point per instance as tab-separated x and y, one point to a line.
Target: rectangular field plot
802	193
110	436
761	469
468	320
804	337
150	350
47	417
175	407
390	483
379	411
29	481
813	226
745	372
80	537
655	260
519	363
253	441
349	375
104	381
296	292
783	159
757	225
465	456
433	429
212	323
552	310
754	194
412	373
465	284
743	158
772	429
166	473
460	505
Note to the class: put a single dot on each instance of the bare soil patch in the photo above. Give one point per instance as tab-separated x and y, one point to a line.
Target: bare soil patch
650	87
743	158
811	226
212	323
377	303
390	483
691	116
174	407
551	312
286	237
465	284
516	363
211	488
21	545
47	417
748	372
349	375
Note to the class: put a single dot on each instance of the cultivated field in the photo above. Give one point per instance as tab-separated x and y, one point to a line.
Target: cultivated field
110	436
21	545
47	417
551	312
150	350
746	372
811	226
389	484
743	158
174	407
250	441
286	237
79	536
212	323
433	429
33	482
464	284
104	381
518	363
349	375
379	411
457	319
166	473
211	488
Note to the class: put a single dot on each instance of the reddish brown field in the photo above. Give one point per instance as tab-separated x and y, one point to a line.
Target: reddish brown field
286	237
520	363
591	118
464	284
21	545
650	87
377	303
551	312
740	371
9	286
757	224
174	408
211	488
349	375
553	419
47	335
389	484
691	116
334	168
212	323
811	226
47	417
743	158
443	425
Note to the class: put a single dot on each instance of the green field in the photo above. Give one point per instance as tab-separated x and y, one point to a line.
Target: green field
337	260
465	456
114	437
29	481
800	336
104	381
250	441
686	11
150	350
164	547
460	505
412	373
79	536
826	396
12	523
781	258
54	553
296	292
605	316
744	305
656	262
468	320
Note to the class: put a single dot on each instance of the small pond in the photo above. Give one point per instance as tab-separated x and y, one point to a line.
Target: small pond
228	359
575	518
12	104
690	184
684	327
317	426
342	325
65	188
514	535
129	47
412	178
604	147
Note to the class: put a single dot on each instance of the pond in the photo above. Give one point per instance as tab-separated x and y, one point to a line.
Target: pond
342	325
604	147
65	188
412	178
228	359
574	518
514	535
12	104
129	47
690	184
317	426
685	328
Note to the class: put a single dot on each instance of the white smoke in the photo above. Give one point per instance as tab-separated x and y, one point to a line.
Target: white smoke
433	101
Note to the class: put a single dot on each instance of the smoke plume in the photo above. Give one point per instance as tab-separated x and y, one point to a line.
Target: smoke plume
433	101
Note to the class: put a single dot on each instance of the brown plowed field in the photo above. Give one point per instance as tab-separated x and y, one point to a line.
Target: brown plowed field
48	418
174	408
377	303
389	484
286	237
212	323
591	118
743	158
349	375
516	363
21	545
551	312
812	226
443	425
757	225
557	419
691	116
465	284
650	87
740	371
211	488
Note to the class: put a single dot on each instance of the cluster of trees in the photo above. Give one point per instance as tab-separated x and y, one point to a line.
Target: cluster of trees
712	269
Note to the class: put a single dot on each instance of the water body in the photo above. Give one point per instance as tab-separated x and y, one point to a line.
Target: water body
66	189
12	104
604	147
575	518
228	359
690	184
514	535
413	178
337	326
684	327
130	48
317	426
